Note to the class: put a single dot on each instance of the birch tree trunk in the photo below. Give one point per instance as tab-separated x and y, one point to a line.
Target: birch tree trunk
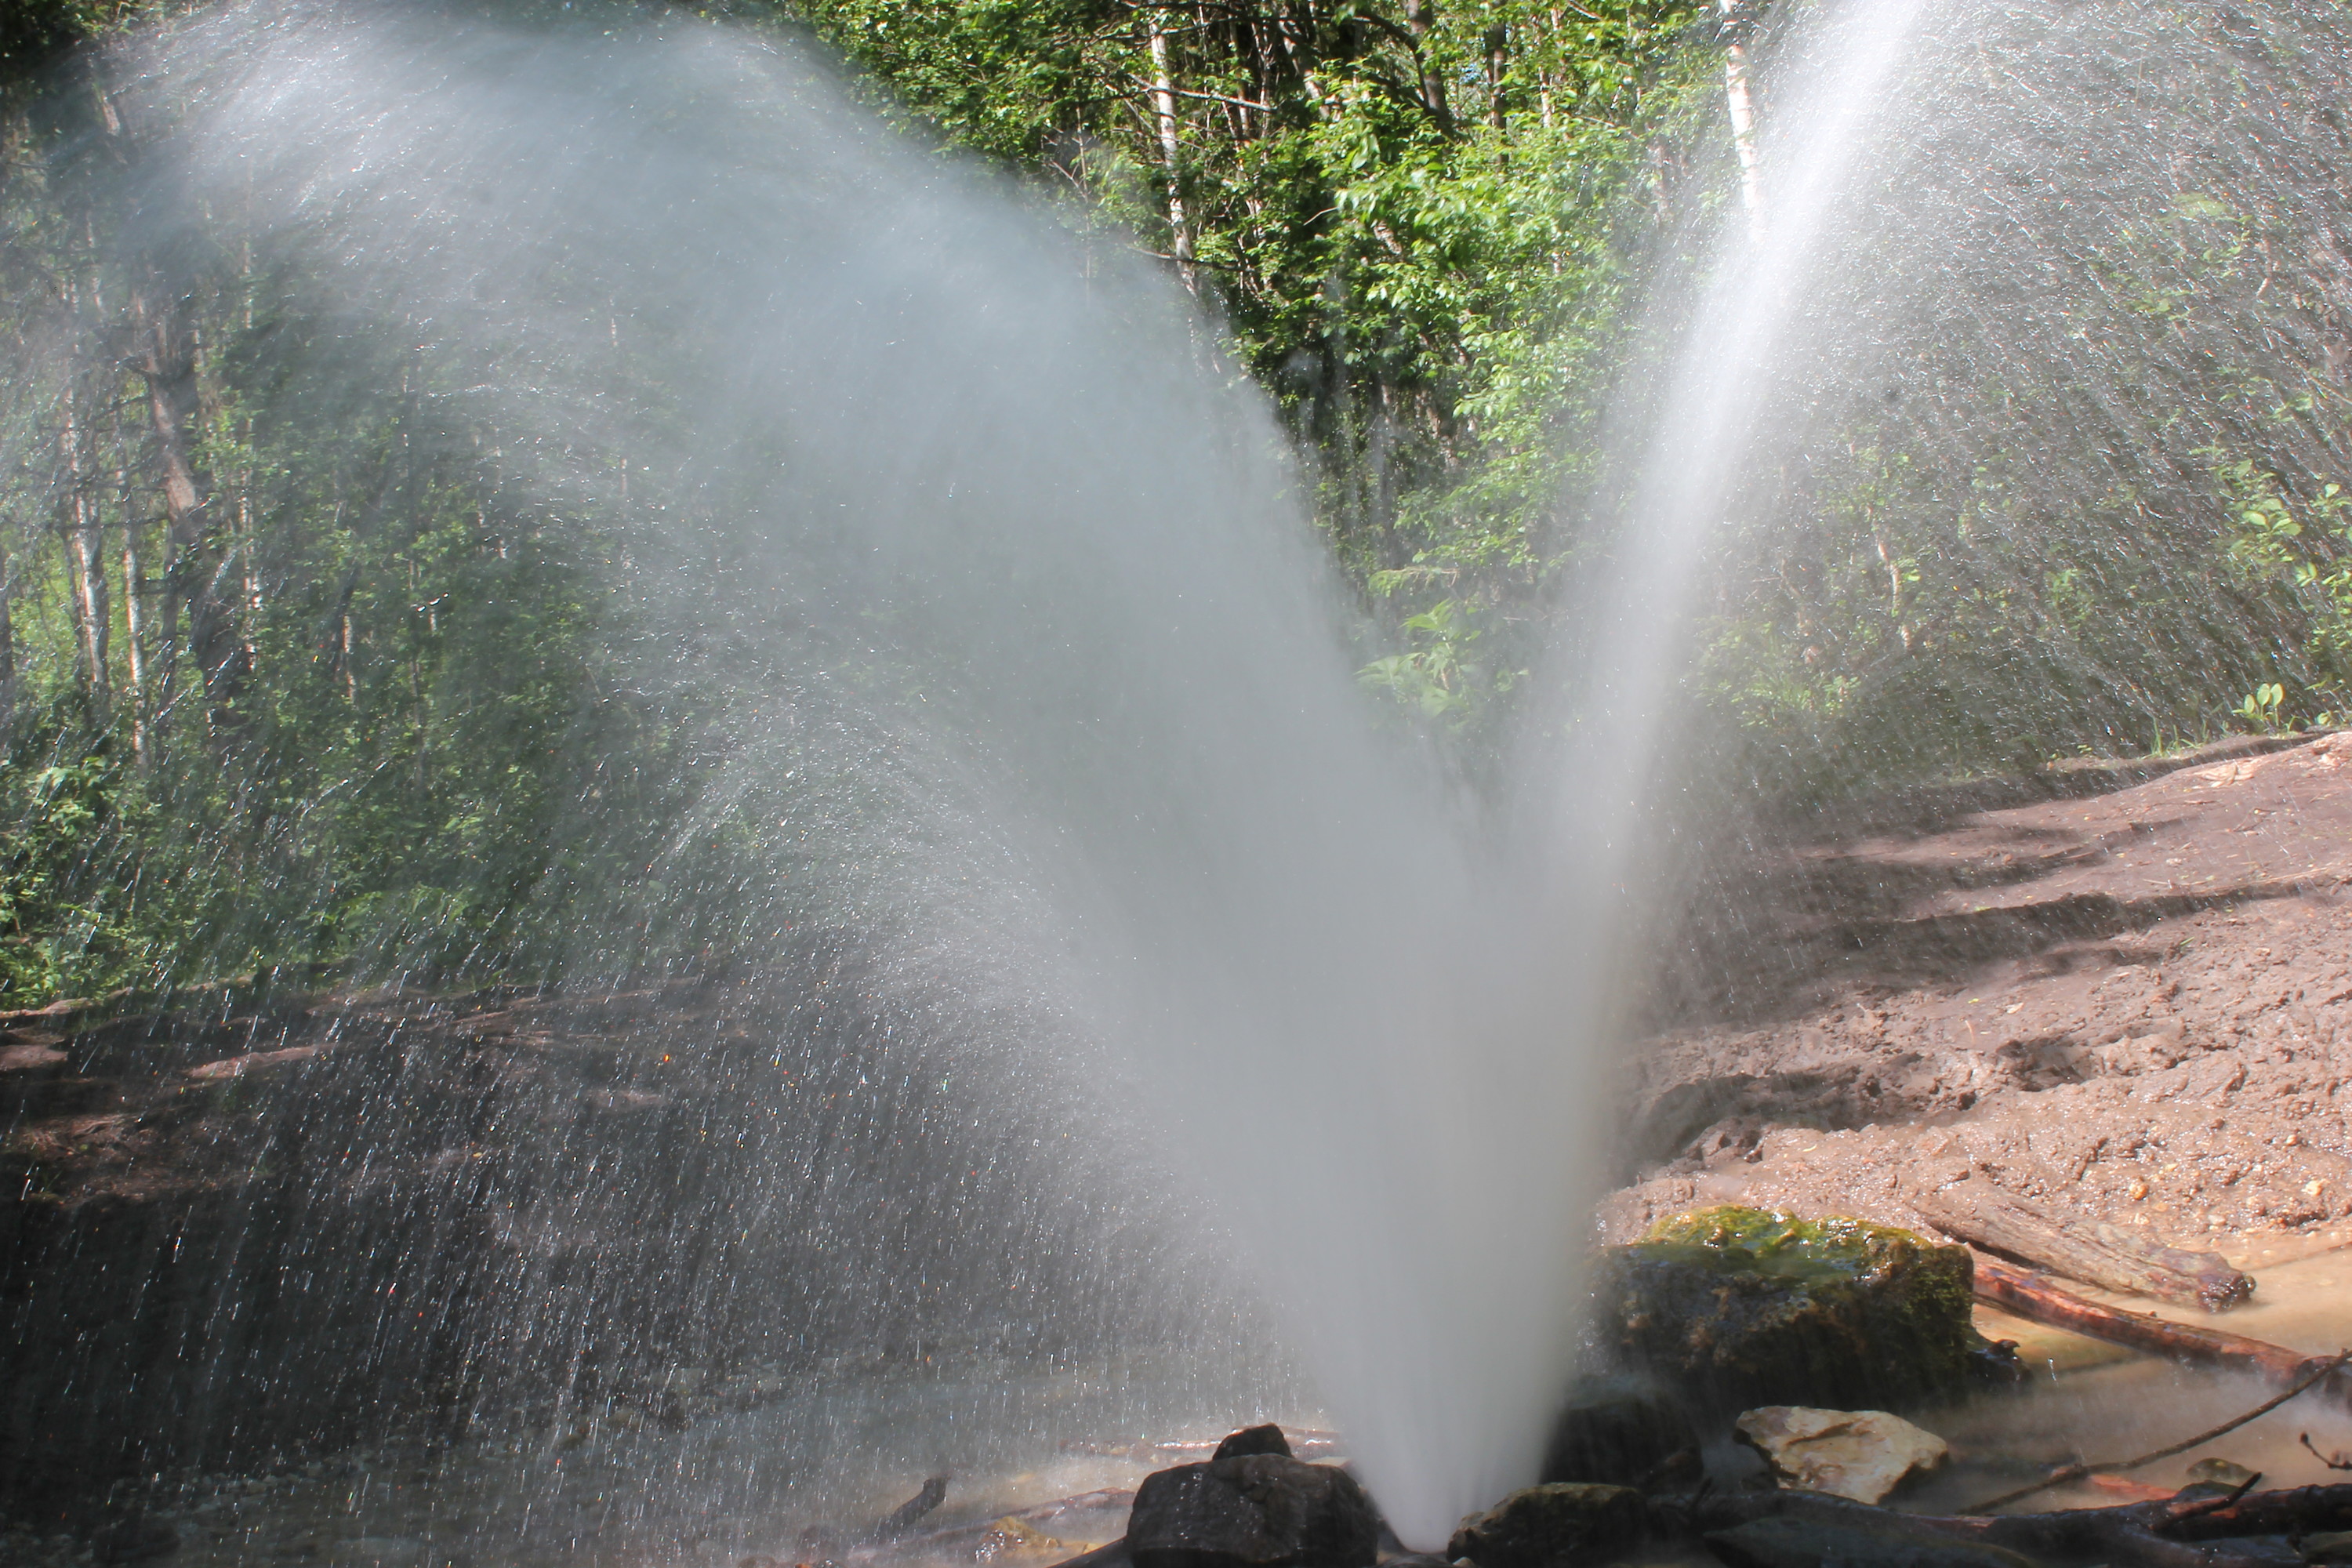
1742	106
86	552
134	634
7	638
1163	114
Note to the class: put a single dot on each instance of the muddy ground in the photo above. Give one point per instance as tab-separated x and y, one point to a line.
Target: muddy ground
2129	1000
270	1220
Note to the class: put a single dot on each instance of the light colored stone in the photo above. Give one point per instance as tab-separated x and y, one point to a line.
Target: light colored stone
1858	1454
1010	1540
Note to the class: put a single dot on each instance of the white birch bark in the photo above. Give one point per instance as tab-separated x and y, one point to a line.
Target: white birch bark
1742	106
86	538
134	637
1163	113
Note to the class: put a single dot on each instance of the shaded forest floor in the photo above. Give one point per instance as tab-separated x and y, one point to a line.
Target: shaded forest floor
260	1224
2130	1001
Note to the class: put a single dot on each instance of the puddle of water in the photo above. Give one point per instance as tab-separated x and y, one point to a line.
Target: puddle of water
2096	1402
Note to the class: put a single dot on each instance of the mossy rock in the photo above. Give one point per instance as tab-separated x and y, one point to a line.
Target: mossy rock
1741	1306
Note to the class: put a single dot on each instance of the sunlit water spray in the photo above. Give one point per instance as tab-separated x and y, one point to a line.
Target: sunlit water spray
977	543
1010	652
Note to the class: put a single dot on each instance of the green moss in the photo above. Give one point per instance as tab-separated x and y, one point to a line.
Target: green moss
1751	1307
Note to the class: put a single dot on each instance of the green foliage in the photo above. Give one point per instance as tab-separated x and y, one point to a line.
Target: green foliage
1430	236
2302	548
2262	709
68	825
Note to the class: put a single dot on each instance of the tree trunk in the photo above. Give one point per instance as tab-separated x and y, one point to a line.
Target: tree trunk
1497	61
1163	114
8	641
1742	105
84	533
1421	17
134	634
165	358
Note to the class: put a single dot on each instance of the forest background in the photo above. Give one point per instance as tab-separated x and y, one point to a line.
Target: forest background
292	679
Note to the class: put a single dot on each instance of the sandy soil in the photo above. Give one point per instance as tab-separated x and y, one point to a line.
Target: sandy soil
2129	1000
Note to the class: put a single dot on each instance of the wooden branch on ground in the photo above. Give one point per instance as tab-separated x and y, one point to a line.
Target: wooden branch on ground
2034	1297
2075	1472
2102	1254
902	1518
2136	1535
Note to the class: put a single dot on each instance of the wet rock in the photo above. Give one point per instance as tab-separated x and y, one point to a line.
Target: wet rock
2211	1479
1809	1544
1738	1308
1560	1524
382	1551
2255	1548
1264	1440
2224	1472
2334	1547
1256	1511
1623	1438
1858	1454
137	1539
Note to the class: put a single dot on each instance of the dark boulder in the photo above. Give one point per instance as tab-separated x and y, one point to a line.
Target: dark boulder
1620	1439
1254	1510
1553	1526
136	1538
1266	1439
1738	1308
1811	1543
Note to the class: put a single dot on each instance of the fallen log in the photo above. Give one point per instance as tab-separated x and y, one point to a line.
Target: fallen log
2136	1535
2102	1254
2034	1297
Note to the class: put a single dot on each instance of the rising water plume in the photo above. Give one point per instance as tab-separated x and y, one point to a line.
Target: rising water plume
1024	771
1010	621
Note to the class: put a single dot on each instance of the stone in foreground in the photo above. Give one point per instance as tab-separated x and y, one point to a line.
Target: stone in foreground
1266	1439
1254	1510
1862	1455
2333	1548
1739	1307
1621	1437
1559	1524
1808	1544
